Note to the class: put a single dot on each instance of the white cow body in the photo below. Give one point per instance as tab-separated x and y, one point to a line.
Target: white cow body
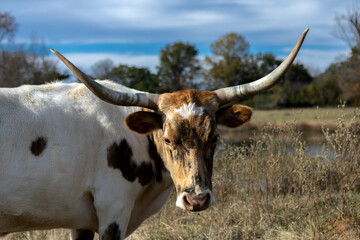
69	184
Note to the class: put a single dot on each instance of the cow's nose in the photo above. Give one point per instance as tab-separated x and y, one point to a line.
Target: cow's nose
194	202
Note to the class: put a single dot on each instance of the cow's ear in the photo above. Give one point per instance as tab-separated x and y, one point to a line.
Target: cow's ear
233	116
143	122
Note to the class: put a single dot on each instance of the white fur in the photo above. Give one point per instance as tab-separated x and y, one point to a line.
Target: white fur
70	184
179	201
190	109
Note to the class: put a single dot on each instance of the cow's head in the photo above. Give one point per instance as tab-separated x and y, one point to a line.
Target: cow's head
185	126
187	122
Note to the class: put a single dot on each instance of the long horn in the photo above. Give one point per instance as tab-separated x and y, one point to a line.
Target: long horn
141	99
229	94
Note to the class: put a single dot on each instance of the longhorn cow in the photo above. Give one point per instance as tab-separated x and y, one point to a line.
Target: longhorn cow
69	161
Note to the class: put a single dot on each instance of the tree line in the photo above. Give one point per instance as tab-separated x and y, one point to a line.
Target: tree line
230	64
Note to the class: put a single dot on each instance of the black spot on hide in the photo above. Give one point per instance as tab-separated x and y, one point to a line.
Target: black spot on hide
112	232
119	156
38	146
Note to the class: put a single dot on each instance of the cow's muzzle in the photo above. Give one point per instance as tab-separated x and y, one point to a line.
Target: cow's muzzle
195	202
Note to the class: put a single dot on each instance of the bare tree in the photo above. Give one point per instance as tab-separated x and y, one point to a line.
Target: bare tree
348	28
347	73
27	64
8	26
102	68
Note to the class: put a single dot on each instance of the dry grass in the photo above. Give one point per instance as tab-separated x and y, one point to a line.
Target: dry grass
58	234
271	188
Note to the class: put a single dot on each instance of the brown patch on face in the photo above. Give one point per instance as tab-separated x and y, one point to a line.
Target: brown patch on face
119	156
206	99
38	146
85	235
112	232
190	133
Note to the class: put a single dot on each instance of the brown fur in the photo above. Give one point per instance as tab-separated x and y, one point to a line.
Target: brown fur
207	99
38	146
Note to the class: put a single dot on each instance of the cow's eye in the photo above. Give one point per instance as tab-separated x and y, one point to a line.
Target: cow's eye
167	141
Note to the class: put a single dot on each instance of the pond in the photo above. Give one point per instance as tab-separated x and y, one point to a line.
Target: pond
314	142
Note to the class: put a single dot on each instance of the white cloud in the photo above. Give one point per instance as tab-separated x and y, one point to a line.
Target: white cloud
318	60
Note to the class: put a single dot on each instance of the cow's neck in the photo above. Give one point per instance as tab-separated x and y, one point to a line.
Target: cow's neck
157	192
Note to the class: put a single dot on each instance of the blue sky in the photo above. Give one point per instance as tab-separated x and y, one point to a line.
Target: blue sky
134	31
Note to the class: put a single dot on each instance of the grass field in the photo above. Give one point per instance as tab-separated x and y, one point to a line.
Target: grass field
263	190
304	115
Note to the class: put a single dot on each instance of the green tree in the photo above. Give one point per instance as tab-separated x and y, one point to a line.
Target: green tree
133	77
293	90
327	89
179	67
265	63
348	80
231	63
292	87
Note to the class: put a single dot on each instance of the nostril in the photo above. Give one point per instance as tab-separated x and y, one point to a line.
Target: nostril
186	201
